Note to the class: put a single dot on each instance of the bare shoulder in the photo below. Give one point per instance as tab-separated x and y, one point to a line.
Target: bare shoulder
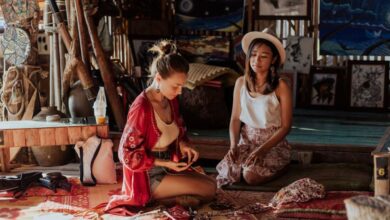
283	88
240	80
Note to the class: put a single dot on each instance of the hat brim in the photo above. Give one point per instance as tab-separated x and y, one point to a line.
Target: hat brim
250	36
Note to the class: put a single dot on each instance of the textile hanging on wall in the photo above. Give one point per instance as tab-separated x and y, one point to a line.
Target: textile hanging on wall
357	27
299	52
204	49
16	11
221	16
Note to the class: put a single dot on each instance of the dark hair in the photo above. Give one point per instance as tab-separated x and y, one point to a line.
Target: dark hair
272	80
167	60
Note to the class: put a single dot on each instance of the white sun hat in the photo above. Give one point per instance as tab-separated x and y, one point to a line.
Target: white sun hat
250	36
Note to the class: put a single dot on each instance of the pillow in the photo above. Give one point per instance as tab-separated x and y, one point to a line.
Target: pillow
330	207
368	207
299	191
103	166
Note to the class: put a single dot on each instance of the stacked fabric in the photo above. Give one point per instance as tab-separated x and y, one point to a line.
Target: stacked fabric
202	73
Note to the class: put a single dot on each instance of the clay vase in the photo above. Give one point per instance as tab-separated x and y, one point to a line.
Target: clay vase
78	103
55	155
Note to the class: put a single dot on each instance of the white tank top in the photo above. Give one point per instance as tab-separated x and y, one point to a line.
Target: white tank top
259	111
169	133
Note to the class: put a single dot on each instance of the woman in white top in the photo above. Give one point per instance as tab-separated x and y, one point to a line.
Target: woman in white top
261	115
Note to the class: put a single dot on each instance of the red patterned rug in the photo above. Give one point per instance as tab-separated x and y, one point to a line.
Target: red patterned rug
44	203
41	203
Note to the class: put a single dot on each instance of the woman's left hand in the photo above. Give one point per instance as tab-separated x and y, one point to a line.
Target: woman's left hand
254	156
191	154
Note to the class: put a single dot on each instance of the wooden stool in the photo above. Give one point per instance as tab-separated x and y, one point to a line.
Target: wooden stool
381	157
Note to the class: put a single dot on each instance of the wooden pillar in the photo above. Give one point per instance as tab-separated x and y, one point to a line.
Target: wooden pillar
105	71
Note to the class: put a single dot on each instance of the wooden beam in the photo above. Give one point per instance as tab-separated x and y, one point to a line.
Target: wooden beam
105	70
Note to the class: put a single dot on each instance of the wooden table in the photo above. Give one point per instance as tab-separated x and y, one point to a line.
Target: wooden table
42	133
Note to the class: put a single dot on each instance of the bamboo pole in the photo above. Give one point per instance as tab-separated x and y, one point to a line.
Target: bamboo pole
83	38
82	70
62	68
57	91
105	71
51	79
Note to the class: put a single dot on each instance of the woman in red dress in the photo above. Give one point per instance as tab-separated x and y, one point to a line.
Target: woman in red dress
154	149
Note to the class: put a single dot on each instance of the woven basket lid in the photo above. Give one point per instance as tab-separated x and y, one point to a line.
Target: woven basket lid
16	45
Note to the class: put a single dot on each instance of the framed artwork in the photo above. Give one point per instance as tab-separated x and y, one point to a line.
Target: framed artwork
299	52
325	87
204	49
291	79
217	15
354	27
368	84
283	9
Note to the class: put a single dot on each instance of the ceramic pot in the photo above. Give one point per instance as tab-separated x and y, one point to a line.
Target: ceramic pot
78	103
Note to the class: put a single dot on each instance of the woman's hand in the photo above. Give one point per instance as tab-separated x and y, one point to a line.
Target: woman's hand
191	154
176	166
254	156
233	154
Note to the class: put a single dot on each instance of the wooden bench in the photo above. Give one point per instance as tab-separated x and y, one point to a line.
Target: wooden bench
41	133
323	138
381	156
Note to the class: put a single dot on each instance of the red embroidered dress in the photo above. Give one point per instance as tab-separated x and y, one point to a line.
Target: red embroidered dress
138	138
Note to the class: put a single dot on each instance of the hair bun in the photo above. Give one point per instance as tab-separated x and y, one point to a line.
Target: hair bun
167	48
164	47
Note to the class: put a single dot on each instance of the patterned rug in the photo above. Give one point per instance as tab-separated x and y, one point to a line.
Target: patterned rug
41	203
243	205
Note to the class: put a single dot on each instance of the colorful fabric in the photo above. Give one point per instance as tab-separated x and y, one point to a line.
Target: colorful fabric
250	139
330	207
43	203
139	137
301	190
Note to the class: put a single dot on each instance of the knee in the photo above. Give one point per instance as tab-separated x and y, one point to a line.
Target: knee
209	189
252	178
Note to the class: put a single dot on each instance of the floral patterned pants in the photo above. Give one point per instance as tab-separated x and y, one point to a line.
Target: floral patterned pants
267	167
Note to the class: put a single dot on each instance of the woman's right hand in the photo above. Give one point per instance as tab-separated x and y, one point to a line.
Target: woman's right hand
233	154
177	166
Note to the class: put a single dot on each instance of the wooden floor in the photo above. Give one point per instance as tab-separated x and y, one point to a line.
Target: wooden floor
312	130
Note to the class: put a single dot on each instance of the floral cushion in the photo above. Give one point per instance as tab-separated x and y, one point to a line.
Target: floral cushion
301	190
